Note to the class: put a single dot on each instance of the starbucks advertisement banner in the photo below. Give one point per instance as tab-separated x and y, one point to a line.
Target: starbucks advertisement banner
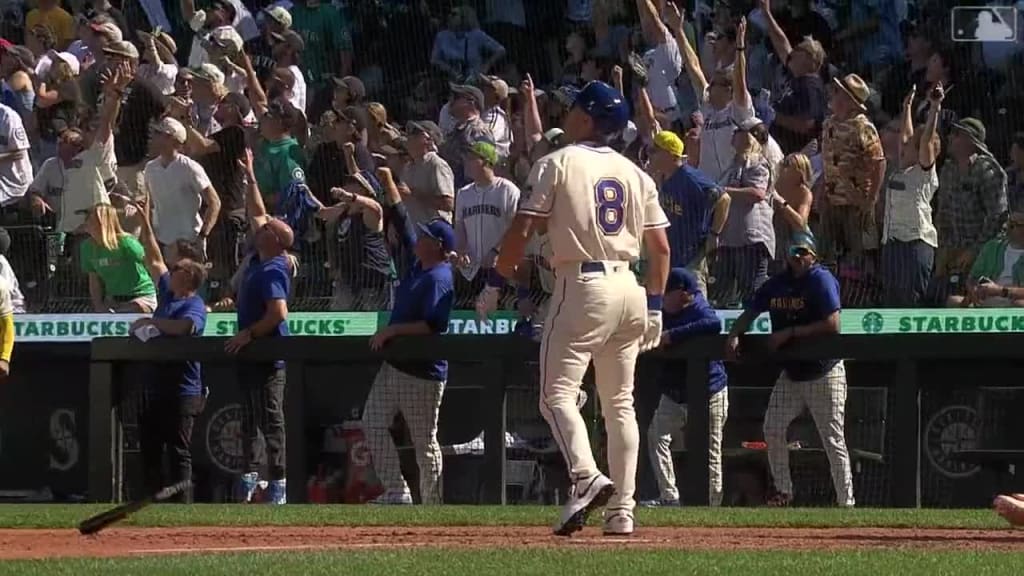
85	327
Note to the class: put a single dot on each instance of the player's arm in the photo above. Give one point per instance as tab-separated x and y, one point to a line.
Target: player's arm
545	176
6	342
656	246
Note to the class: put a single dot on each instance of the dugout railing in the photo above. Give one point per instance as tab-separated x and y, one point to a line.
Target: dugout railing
905	354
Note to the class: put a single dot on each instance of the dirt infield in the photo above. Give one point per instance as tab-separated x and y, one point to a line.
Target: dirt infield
118	542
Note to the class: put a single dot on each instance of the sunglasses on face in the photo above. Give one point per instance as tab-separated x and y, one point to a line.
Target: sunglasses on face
798	251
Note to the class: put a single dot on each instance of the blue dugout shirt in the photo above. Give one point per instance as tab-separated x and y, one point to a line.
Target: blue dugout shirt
188	375
263	281
697	319
688	198
792	301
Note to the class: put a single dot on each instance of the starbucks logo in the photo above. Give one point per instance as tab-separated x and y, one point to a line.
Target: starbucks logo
873	323
952	429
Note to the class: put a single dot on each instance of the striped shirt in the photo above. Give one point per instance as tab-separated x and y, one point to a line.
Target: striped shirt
688	198
750	221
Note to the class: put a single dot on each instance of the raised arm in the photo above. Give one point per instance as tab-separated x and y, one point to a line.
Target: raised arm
691	61
928	148
113	90
152	257
650	22
779	41
531	113
400	215
254	207
740	94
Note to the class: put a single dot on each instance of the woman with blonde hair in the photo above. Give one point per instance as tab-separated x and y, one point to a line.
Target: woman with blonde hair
115	263
748	239
380	132
792	199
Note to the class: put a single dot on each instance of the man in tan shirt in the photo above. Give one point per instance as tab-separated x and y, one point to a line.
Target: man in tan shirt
854	171
427	182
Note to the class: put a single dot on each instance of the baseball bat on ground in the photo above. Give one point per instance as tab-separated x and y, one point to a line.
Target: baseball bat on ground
94	524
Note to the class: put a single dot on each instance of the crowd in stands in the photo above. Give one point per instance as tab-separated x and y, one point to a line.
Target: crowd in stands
859	120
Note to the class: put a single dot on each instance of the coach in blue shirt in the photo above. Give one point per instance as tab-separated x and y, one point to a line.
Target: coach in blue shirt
174	395
687	314
694	204
802	301
423	304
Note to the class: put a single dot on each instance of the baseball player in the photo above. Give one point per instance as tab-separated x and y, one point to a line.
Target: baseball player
802	301
598	206
687	314
423	304
6	328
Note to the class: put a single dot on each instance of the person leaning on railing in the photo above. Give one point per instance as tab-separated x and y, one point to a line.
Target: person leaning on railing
174	394
423	305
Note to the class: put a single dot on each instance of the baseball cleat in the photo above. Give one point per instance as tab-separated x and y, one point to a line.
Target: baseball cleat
277	492
1010	508
618	523
393	499
247	486
585	497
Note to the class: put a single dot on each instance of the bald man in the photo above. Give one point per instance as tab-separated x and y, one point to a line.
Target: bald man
262	304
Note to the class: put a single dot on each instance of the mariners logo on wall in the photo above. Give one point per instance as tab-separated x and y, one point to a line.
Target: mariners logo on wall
224	439
950	429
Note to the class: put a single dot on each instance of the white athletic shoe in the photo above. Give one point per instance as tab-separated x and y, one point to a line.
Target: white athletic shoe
618	523
393	499
584	497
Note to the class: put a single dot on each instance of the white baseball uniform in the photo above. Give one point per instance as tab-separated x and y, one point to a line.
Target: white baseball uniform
597	204
668	426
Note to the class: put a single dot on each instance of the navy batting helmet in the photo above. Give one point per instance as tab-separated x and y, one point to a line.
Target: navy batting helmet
605	105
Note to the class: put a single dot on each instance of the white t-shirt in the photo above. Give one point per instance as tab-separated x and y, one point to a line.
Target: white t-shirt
716	151
1010	258
298	97
16	174
664	64
162	76
176	193
78	186
496	119
482	214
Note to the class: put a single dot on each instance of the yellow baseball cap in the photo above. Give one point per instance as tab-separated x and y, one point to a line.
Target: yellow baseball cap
669	142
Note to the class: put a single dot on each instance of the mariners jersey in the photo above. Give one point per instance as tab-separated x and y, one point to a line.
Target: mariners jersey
597	203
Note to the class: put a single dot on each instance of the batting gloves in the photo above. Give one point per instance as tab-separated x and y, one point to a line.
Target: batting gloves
652	334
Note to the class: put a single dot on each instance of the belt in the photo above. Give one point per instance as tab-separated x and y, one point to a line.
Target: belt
603	267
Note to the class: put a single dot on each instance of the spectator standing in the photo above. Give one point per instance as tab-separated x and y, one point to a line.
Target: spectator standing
972	203
281	160
921	42
465	106
174	395
854	172
696	207
57	103
663	62
792	201
159	65
276	22
328	41
799	19
997	276
48	13
185	205
113	259
15	165
724	104
802	302
262	302
1015	174
84	169
483	211
462	49
287	76
495	92
96	33
142	104
208	89
427	182
17	65
423	305
800	109
330	164
748	238
687	314
909	237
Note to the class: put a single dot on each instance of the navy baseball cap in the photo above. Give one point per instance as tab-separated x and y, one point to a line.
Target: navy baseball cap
682	279
439	229
803	241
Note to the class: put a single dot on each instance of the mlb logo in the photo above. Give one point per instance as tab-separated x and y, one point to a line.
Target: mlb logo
984	24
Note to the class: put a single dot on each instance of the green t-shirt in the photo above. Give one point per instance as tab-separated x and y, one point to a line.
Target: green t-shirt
277	165
326	34
121	269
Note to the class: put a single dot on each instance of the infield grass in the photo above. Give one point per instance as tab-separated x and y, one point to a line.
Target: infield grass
68	516
540	562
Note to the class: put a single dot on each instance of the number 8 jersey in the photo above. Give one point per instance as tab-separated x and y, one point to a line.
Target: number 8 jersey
597	202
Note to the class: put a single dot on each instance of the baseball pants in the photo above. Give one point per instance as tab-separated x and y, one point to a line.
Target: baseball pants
825	398
263	402
419	402
668	424
598	312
